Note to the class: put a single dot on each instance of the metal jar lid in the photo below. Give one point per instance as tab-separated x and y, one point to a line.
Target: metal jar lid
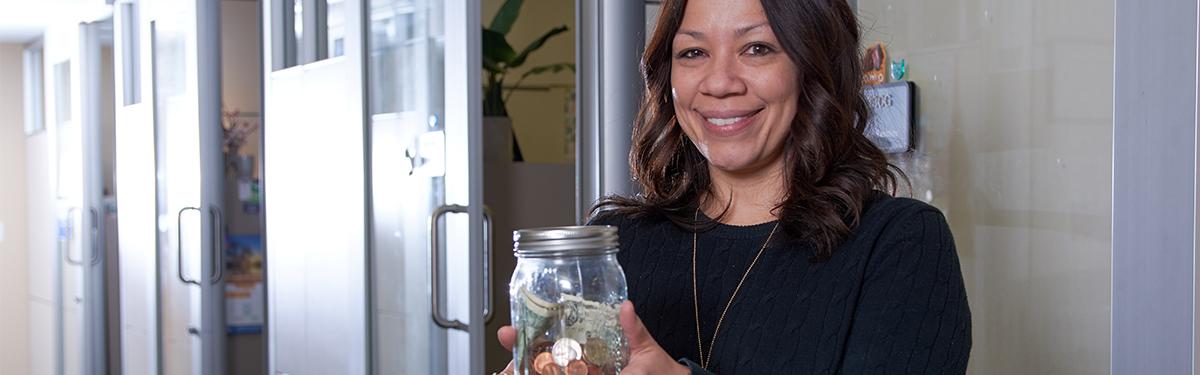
565	241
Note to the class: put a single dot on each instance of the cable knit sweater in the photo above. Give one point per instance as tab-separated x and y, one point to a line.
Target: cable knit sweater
891	299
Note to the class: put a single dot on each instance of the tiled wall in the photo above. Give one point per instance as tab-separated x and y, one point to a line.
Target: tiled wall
1016	148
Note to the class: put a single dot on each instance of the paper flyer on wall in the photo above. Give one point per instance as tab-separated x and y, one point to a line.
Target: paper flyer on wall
244	284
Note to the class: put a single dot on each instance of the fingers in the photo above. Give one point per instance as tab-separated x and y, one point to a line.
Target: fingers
507	336
635	331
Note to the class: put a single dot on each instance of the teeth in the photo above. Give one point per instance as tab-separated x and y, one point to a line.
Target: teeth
724	121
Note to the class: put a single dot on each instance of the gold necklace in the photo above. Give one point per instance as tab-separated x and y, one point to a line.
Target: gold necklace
704	359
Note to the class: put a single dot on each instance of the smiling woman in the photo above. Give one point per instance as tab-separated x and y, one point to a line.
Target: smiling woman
763	99
761	242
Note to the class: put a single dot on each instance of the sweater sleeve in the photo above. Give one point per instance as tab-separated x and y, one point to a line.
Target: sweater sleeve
694	367
912	314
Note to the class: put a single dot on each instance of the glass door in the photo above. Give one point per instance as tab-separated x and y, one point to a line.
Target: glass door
408	176
135	174
95	70
79	312
313	187
425	168
398	149
189	171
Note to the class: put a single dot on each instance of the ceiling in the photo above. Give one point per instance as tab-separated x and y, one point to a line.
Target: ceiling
22	21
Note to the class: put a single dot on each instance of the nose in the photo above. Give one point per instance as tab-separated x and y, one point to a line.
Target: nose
722	78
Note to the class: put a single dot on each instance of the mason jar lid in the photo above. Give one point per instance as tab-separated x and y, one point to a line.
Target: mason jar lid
565	241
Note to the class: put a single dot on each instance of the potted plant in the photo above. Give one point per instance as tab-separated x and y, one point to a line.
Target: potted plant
500	58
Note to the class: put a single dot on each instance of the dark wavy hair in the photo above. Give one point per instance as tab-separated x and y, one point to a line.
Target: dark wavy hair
834	168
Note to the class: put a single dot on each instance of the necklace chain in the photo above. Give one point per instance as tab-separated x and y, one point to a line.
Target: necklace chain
704	359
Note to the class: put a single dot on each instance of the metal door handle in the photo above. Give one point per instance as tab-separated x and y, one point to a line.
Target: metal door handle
435	266
218	255
179	244
70	233
487	265
95	235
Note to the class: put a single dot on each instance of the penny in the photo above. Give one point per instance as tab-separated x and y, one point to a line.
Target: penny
566	350
593	370
551	369
541	361
577	367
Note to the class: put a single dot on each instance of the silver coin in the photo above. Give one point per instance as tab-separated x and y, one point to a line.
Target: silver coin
566	350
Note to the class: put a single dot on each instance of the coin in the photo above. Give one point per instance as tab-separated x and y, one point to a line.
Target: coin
566	350
541	361
577	367
593	369
551	369
595	351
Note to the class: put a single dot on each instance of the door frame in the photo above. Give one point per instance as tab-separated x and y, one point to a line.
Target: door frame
1155	198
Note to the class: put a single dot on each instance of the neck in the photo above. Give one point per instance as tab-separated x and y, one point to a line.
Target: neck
751	197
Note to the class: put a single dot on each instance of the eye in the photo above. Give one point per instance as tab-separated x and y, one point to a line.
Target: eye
759	49
691	53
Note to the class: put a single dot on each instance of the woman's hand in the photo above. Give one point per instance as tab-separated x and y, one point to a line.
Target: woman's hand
645	356
507	336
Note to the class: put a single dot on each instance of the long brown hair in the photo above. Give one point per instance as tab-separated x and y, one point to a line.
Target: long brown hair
834	168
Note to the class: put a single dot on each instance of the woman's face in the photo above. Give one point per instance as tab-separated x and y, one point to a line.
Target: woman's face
734	88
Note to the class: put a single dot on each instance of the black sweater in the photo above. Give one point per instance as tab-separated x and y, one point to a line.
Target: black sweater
891	299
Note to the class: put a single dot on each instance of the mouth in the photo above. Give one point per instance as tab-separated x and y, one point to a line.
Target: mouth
727	122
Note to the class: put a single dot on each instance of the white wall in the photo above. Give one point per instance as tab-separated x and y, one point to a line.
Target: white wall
14	271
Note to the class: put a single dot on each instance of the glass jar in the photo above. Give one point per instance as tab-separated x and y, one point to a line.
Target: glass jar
566	296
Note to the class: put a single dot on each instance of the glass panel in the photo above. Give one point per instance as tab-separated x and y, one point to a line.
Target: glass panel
335	26
68	144
297	21
178	175
62	92
406	44
33	83
131	62
67	134
286	36
1015	146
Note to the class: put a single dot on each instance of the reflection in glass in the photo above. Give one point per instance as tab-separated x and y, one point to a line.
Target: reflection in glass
62	92
405	99
297	21
34	110
130	59
335	35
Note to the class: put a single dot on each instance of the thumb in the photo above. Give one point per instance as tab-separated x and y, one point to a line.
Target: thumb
635	331
507	336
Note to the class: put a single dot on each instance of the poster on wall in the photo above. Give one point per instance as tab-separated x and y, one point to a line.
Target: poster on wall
244	284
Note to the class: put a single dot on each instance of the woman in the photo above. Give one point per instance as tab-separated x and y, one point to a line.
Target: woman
759	244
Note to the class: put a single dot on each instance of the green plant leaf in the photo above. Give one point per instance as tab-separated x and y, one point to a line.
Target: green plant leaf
520	59
491	66
506	16
551	68
497	50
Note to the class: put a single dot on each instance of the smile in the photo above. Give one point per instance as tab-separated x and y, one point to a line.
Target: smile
724	121
727	122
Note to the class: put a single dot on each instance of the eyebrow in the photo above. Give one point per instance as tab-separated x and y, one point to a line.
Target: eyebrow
738	32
